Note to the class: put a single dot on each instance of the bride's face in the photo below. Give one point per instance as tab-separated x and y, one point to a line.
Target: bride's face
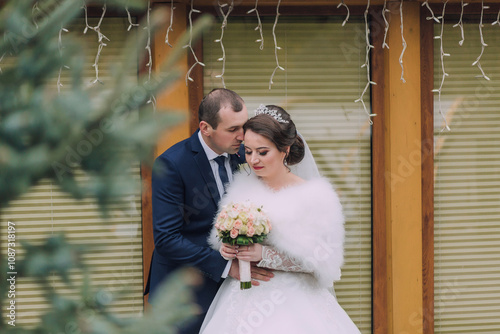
263	156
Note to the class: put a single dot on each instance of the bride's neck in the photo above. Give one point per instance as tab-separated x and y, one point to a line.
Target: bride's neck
281	180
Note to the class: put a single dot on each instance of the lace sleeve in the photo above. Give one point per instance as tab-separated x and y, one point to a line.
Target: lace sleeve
273	259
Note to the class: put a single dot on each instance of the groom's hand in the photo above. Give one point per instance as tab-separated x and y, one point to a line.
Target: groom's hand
258	273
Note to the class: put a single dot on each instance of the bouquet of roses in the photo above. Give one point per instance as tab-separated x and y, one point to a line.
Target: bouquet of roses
242	224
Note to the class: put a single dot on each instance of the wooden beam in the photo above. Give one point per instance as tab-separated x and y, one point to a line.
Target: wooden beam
403	174
308	3
379	232
174	98
427	151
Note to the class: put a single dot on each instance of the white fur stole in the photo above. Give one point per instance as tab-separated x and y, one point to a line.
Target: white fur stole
307	222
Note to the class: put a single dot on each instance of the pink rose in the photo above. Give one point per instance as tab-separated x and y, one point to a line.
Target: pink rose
250	231
221	224
234	233
237	224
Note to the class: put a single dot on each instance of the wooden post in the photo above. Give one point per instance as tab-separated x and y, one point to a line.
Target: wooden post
403	182
174	98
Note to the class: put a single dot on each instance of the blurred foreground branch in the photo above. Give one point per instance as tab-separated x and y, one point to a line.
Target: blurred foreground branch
49	135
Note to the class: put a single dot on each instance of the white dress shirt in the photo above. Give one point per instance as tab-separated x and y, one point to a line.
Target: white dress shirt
211	155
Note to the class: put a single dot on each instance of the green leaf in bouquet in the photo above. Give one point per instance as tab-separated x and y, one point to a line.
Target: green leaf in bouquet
243	240
259	238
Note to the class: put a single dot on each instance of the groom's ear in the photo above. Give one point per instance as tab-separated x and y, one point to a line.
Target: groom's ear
205	128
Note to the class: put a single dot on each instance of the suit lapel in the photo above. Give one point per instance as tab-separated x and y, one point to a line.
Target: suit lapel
206	170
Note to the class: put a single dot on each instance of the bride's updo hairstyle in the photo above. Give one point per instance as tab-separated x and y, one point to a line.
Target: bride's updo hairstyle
275	124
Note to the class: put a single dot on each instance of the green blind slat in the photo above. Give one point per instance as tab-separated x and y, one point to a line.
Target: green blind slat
114	253
467	186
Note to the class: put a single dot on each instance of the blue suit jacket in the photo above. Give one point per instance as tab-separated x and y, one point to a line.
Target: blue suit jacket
184	200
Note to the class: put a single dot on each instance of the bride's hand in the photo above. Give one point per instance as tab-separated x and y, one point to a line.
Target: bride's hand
250	253
228	252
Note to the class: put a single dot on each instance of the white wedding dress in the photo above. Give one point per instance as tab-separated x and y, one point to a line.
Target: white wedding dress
305	247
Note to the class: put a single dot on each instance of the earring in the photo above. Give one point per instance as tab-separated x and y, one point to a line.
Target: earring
285	163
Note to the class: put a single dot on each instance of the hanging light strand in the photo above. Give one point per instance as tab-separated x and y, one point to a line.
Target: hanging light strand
169	29
432	17
348	12
386	29
100	39
461	23
1	58
130	23
149	65
276	47
444	74
259	25
59	43
483	44
367	65
60	47
498	19
219	40
189	45
404	43
34	10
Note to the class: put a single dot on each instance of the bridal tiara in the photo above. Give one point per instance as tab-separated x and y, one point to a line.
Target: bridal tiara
262	109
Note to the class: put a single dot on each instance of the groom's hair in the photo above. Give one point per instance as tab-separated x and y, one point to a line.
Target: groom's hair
214	101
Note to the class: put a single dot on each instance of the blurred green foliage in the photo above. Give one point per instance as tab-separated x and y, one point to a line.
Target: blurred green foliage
40	137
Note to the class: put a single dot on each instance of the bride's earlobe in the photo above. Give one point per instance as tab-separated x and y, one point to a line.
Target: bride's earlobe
285	163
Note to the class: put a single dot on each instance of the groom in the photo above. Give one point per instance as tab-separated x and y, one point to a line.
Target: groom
187	183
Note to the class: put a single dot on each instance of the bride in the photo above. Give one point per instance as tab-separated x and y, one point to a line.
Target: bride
304	247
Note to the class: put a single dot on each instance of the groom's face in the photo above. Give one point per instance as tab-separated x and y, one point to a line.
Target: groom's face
228	135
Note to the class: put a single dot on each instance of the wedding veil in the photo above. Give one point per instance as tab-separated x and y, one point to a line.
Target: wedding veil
307	168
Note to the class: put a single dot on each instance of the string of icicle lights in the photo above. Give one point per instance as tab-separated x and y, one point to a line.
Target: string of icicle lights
190	44
60	47
367	65
442	54
100	38
229	5
149	65
225	15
